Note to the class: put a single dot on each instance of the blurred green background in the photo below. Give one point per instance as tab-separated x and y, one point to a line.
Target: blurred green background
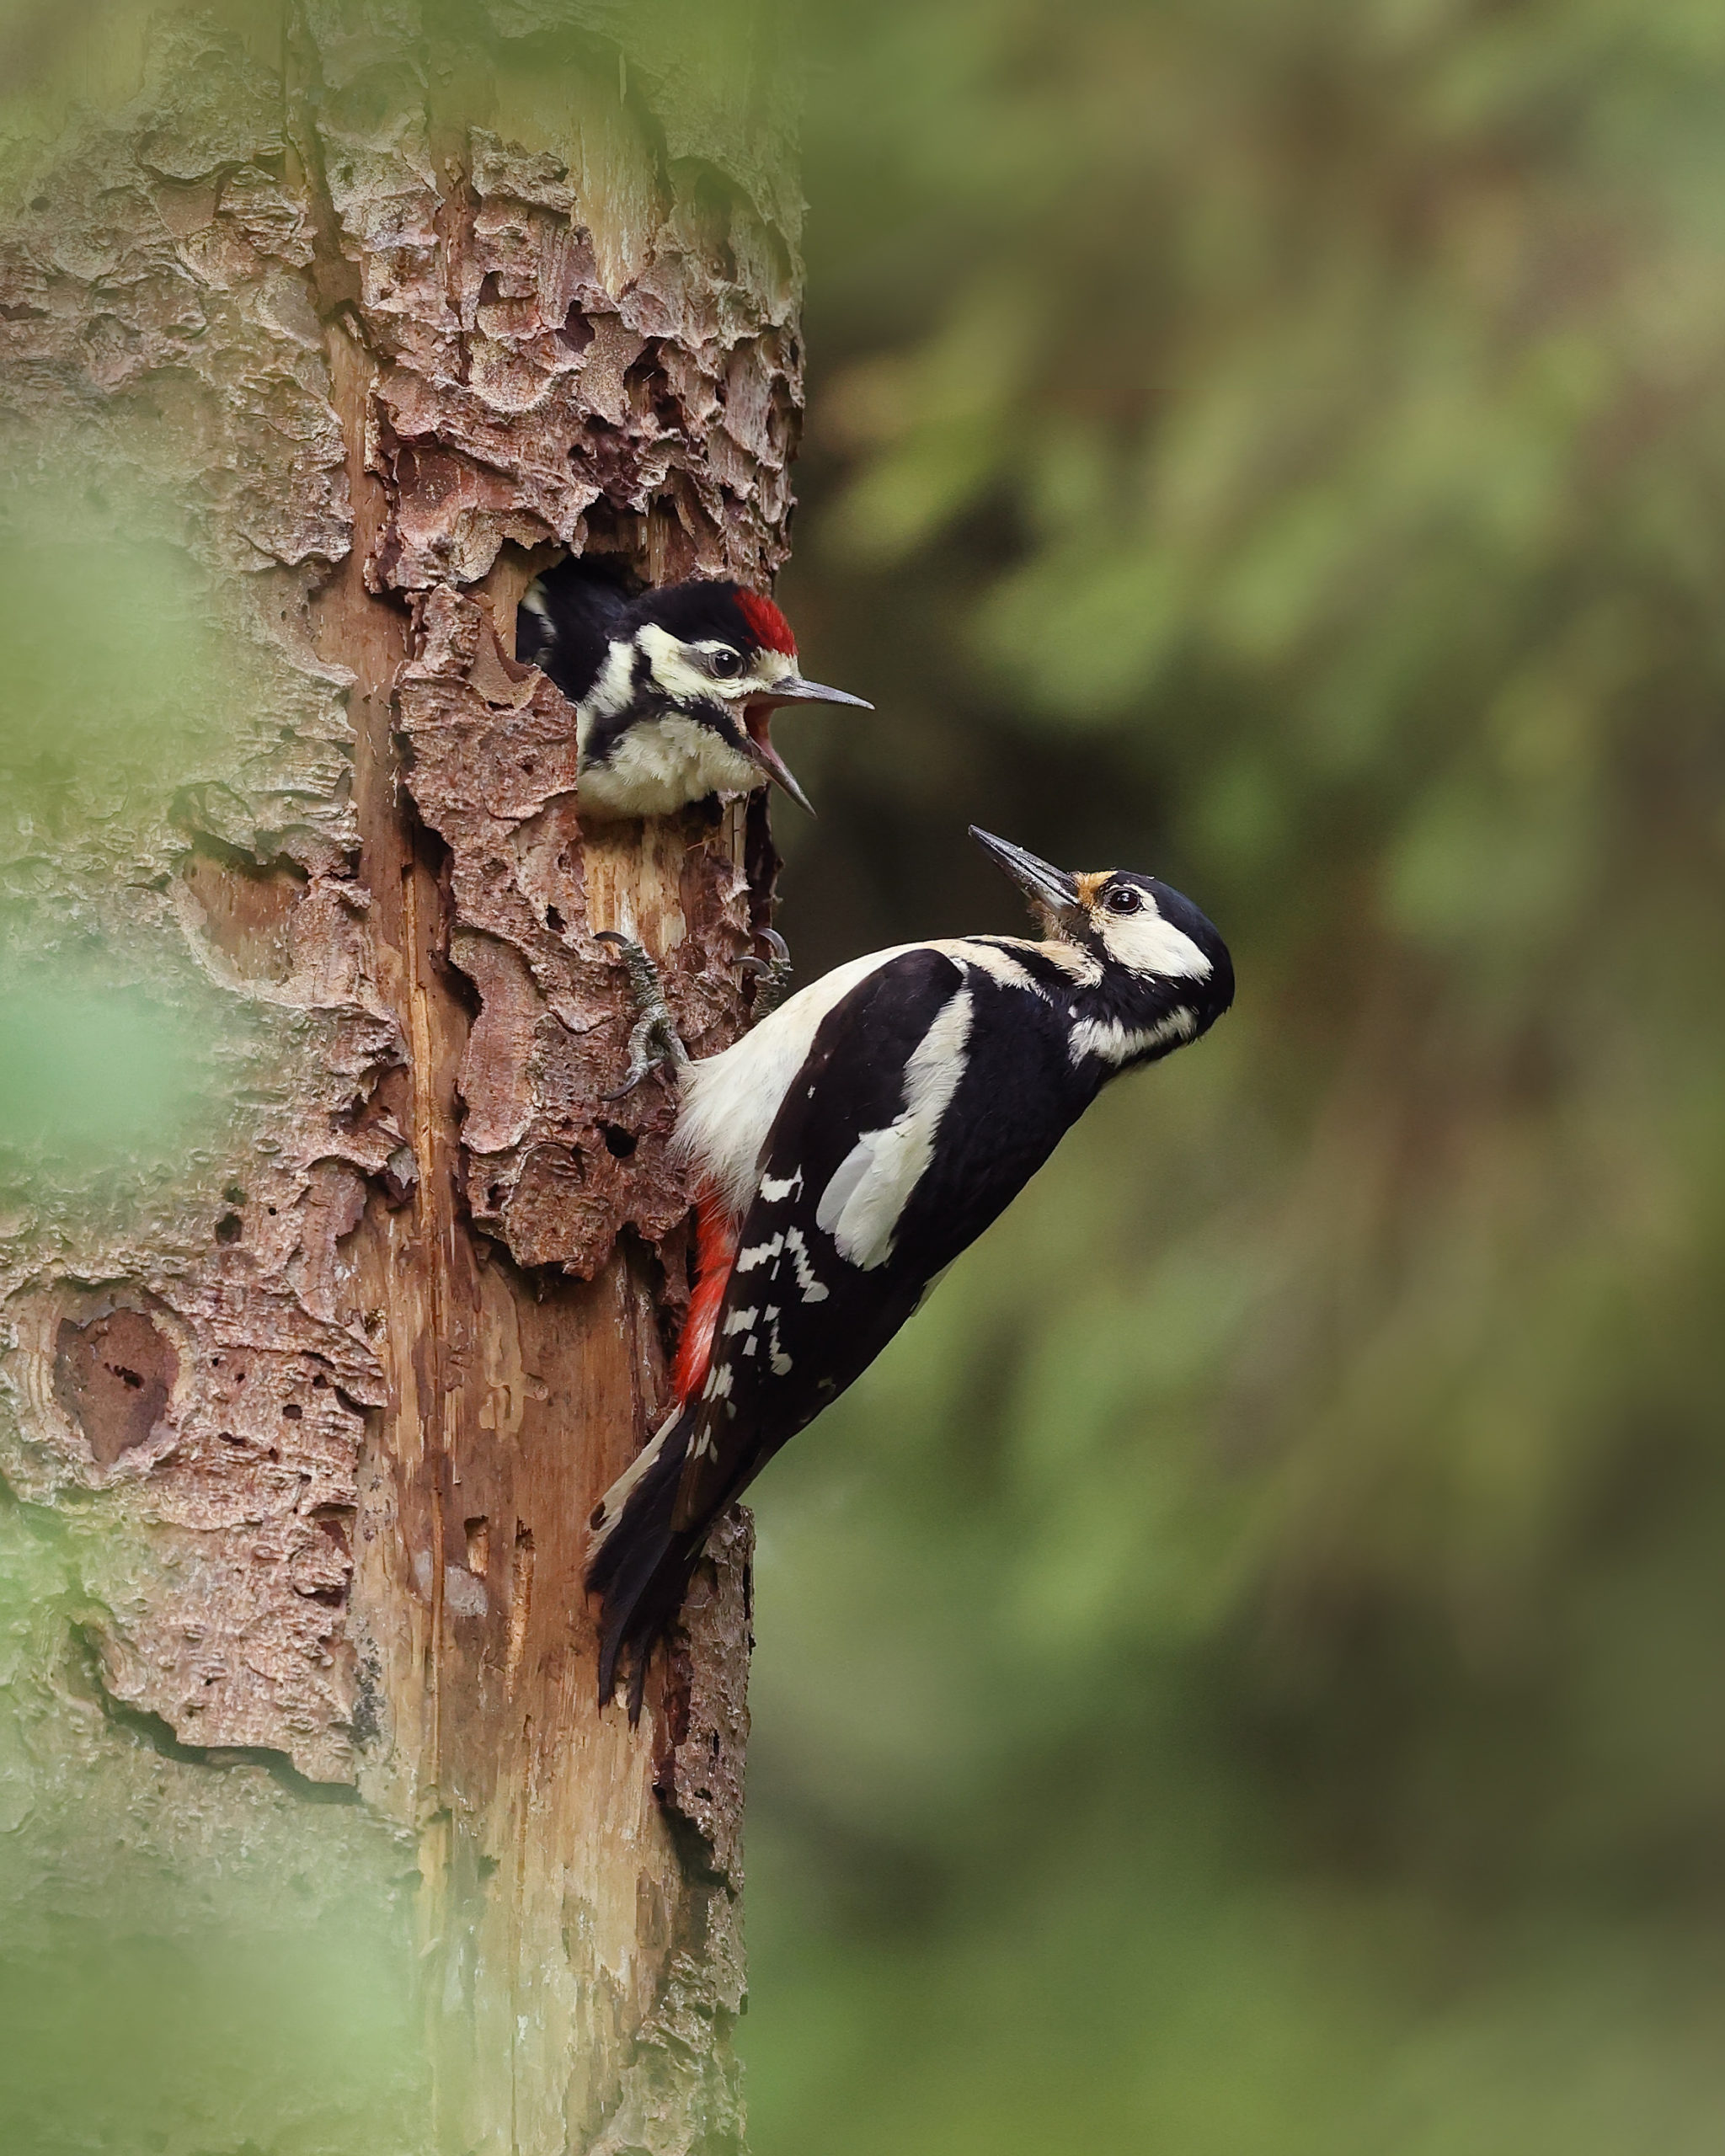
1246	1672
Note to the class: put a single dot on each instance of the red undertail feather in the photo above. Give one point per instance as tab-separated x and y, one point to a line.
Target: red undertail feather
715	1253
767	623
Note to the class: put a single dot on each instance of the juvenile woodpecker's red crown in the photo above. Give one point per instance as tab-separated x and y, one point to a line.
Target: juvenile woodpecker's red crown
771	630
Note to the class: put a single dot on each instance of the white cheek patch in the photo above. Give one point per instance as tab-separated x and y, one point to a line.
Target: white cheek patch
675	673
1145	943
862	1204
684	680
766	669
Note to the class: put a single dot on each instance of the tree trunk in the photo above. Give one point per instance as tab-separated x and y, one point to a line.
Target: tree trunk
302	1438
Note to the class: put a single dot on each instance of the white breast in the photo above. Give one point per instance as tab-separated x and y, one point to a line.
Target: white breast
659	764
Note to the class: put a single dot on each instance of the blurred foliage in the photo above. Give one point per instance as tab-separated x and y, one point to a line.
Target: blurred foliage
247	1988
114	678
1242	1673
176	1976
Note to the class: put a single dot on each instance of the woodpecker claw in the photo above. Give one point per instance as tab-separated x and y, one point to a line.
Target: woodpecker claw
773	976
654	1039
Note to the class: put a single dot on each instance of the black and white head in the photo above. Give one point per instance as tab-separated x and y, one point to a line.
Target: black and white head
675	690
1151	971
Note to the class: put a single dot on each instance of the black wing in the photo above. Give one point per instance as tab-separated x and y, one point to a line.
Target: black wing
802	1319
566	619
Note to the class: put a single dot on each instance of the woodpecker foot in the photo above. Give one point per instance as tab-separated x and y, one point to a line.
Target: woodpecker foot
655	1038
773	976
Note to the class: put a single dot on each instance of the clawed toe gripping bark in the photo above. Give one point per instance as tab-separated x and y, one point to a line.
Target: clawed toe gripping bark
773	976
655	1038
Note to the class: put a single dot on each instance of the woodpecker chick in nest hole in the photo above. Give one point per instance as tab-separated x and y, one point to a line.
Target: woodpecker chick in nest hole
674	690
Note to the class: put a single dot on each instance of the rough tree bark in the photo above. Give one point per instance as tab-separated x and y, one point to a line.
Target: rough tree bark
392	314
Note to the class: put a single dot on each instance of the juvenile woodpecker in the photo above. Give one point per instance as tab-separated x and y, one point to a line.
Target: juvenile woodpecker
847	1150
674	690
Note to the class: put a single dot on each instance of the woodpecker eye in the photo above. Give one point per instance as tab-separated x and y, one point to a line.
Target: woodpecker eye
1124	899
726	663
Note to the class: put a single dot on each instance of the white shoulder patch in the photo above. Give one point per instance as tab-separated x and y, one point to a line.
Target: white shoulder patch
862	1204
991	958
729	1100
613	692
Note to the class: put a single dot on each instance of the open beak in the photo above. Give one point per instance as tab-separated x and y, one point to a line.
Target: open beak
1051	891
762	752
758	715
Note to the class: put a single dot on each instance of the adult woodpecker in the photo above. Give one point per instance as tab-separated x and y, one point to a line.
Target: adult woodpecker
673	689
847	1150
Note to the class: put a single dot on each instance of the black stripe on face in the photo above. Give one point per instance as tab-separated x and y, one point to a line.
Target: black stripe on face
647	702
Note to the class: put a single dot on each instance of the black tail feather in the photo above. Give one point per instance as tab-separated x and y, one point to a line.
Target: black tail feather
641	1570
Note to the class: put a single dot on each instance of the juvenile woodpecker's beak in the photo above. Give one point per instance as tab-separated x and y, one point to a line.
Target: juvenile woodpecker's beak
794	690
762	752
1051	891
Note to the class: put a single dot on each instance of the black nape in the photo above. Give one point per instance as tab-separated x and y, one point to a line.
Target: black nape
569	614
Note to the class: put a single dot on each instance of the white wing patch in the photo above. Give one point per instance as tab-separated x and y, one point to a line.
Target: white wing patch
791	1244
1116	1044
995	959
862	1204
797	1251
729	1100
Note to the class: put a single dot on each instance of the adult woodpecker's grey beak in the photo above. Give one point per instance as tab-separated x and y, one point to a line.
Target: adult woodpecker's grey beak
1050	890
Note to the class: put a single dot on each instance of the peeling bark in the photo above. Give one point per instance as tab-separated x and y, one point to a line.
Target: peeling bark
349	1388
